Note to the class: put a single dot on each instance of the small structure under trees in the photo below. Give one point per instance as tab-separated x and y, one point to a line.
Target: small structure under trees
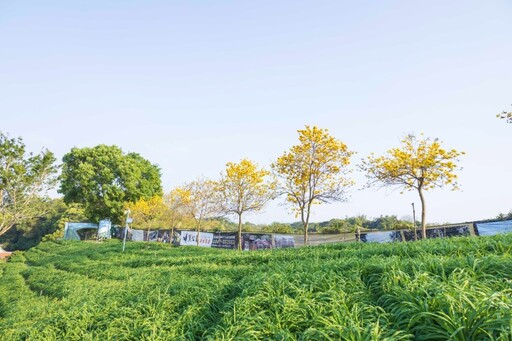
419	164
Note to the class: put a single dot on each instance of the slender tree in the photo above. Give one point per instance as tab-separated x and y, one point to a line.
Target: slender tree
23	178
244	189
175	202
200	200
419	164
313	172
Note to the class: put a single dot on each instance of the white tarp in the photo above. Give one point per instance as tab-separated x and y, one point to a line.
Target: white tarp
496	227
381	237
71	228
190	238
137	235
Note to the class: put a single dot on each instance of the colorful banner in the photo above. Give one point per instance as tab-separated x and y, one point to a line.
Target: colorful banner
190	238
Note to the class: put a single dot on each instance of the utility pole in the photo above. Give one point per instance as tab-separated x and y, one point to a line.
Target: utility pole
128	221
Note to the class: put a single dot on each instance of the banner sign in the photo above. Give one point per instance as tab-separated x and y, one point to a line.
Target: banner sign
225	240
150	236
381	237
283	241
104	229
409	235
457	231
190	238
164	236
252	241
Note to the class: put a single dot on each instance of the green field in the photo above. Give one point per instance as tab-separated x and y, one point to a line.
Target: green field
457	288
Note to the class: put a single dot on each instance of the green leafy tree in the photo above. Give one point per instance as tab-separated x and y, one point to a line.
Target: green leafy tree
419	164
24	177
313	172
277	227
48	223
102	179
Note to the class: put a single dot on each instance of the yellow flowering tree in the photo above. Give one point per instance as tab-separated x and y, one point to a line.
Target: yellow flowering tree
244	188
149	213
506	115
313	172
176	201
419	164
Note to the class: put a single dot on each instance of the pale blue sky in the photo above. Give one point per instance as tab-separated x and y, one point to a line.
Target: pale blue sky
191	85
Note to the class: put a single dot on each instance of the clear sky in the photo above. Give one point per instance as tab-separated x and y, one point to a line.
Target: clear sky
191	85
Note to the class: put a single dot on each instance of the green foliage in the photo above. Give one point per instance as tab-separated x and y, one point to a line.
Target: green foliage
68	213
48	226
277	227
24	177
457	289
102	179
503	216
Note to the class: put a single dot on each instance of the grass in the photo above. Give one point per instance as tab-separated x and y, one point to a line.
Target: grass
458	289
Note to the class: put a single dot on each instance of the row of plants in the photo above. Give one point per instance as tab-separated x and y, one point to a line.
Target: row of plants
458	288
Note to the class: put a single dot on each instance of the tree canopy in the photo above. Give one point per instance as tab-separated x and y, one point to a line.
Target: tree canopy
102	179
199	200
23	178
419	164
313	172
244	189
149	213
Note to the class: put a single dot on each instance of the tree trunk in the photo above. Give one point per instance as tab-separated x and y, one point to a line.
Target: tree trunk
240	232
305	224
423	214
197	233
